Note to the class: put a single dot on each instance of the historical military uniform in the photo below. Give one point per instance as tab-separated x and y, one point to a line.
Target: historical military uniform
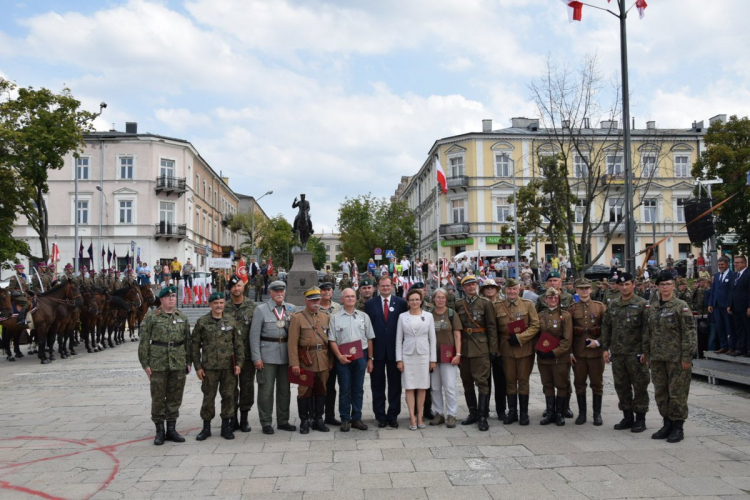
330	413
90	280
622	335
101	280
587	320
308	350
478	342
669	341
268	339
497	373
38	281
165	349
258	285
243	314
517	350
554	366
217	349
68	276
18	288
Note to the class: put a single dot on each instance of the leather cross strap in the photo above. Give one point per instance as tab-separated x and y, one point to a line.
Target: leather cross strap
479	328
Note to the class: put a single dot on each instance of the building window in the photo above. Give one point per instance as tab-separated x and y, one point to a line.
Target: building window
503	165
503	210
126	211
680	210
681	166
580	211
614	165
126	167
581	166
648	163
83	212
166	168
82	168
328	257
166	212
457	166
338	248
649	210
615	210
459	212
328	248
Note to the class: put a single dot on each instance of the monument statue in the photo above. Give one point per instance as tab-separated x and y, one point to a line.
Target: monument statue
302	224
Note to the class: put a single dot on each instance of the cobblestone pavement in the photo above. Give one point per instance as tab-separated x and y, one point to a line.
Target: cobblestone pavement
80	428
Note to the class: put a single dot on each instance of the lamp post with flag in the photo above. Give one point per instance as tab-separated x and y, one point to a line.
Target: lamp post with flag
441	188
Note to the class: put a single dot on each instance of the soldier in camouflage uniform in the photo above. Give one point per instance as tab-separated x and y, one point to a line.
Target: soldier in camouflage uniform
366	291
345	282
241	309
623	330
218	354
165	355
683	292
613	292
554	364
669	345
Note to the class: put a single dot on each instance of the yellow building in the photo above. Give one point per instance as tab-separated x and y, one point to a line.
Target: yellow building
482	169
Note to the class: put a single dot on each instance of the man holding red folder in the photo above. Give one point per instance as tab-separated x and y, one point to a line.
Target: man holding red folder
553	353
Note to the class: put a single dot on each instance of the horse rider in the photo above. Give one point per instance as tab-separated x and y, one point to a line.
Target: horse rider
38	280
19	289
304	211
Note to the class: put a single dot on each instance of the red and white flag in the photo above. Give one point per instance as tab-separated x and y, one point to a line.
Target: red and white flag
242	270
442	182
575	10
641	6
54	258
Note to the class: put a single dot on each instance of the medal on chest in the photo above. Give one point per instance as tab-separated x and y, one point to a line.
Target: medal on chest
279	318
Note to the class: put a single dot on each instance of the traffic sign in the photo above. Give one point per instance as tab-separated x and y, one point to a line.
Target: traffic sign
378	257
390	254
378	251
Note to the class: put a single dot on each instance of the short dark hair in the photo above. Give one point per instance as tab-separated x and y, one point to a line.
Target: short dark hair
385	277
742	257
414	291
724	259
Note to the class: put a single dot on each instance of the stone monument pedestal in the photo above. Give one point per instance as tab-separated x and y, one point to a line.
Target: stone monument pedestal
301	276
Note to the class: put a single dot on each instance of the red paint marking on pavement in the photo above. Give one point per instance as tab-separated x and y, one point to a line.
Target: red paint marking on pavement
7	486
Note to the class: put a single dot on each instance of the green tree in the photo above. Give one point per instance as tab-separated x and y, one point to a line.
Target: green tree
318	249
37	129
727	156
276	240
367	222
10	201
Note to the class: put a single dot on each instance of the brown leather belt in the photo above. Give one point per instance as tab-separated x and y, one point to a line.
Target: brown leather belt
316	347
475	330
280	340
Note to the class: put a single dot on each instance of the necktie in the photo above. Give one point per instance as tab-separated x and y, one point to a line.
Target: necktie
385	309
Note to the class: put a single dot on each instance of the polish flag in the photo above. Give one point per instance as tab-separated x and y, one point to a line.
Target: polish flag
55	256
441	177
242	270
641	6
575	10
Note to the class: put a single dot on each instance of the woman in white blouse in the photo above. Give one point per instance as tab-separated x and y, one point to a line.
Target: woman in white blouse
416	355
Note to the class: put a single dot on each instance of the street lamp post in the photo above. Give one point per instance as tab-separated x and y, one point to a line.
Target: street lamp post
252	218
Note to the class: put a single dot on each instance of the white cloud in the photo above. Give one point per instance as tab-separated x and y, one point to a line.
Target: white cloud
457	64
182	119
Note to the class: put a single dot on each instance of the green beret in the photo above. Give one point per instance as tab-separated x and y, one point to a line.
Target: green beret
365	282
553	274
167	290
215	296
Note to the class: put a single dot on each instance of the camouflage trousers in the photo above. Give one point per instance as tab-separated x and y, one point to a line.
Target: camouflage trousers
246	390
631	383
225	383
671	388
167	388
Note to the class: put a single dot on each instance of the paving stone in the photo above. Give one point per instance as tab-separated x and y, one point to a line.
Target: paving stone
306	457
257	458
306	483
643	471
279	470
702	486
333	495
456	492
456	452
439	464
519	491
472	477
364	481
334	469
170	474
596	458
357	456
204	460
530	475
407	454
382	466
379	444
505	451
396	494
286	446
633	488
593	473
504	463
421	479
544	461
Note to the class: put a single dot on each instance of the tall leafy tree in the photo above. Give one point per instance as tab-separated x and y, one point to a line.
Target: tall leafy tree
727	157
318	249
276	239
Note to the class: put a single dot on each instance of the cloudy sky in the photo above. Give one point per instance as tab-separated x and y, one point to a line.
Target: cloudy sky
341	98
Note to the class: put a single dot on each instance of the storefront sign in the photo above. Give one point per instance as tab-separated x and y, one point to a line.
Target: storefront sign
457	243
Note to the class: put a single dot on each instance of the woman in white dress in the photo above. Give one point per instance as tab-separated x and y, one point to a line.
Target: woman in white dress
416	355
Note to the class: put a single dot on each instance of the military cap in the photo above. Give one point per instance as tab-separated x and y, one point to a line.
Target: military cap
234	280
551	292
366	282
664	276
312	293
624	277
489	282
215	296
84	269
326	285
104	270
167	290
92	271
20	266
42	265
418	286
468	280
68	266
583	283
510	282
553	274
277	285
52	266
117	271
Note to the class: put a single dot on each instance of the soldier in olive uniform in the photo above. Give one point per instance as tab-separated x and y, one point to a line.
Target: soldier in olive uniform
329	307
587	359
165	355
52	273
268	338
554	364
241	309
308	349
478	346
38	282
517	348
491	291
451	301
366	290
68	276
623	328
612	292
258	285
101	280
345	282
19	288
90	279
669	345
218	354
684	293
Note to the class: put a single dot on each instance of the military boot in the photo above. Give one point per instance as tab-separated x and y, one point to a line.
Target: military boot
626	422
303	407
159	438
21	319
244	426
236	420
512	410
172	434
560	412
523	418
206	432
319	424
676	435
581	409
549	414
664	432
640	423
484	404
227	428
566	411
471	402
598	409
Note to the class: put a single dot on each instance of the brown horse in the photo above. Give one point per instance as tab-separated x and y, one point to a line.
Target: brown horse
53	306
11	329
89	313
124	303
148	299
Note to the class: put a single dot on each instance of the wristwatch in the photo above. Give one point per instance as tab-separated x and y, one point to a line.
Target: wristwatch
371	359
458	354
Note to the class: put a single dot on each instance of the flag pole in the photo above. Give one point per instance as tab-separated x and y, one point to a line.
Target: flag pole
438	192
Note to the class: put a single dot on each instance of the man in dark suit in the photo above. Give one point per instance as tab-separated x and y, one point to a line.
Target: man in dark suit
722	337
739	305
384	312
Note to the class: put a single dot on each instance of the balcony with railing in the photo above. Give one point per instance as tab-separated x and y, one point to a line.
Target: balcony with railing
458	182
170	230
455	229
169	185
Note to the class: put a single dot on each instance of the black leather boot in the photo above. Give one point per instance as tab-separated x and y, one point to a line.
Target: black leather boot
236	420
581	398
523	401
664	432
244	426
560	412
549	414
172	434
598	409
512	410
566	411
227	428
640	423
676	435
159	438
21	319
471	402
206	432
303	407
320	408
484	404
626	422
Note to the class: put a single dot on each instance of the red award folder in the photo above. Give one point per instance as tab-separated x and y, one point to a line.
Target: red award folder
547	342
352	349
305	377
447	353
516	327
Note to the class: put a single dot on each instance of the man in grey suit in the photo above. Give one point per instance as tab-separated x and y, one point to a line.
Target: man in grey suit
268	349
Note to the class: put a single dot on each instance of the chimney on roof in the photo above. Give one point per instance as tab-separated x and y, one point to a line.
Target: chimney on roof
698	126
717	118
131	127
609	124
487	125
566	124
226	180
651	125
586	122
528	123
